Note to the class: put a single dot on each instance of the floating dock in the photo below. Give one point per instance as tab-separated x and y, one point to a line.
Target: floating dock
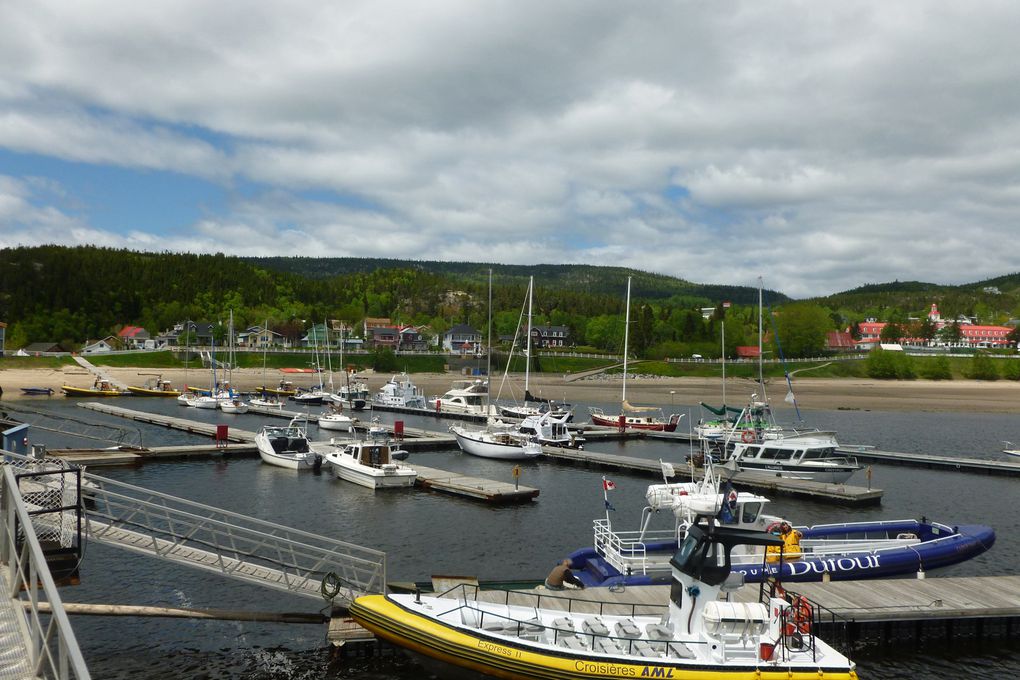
487	490
759	481
924	460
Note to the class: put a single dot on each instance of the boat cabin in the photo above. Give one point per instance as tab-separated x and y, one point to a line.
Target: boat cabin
370	454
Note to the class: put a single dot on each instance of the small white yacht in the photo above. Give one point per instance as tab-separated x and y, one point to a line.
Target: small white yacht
371	463
465	396
287	446
550	430
333	418
497	440
235	405
400	393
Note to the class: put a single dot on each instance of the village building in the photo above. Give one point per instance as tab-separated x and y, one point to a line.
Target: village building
550	336
107	344
462	339
260	337
971	335
135	337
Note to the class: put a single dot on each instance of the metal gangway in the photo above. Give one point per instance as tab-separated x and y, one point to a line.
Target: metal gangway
98	372
228	543
59	423
38	504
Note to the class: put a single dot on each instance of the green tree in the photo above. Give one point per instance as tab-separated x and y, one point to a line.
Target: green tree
384	360
951	333
937	368
802	328
1011	370
891	333
982	367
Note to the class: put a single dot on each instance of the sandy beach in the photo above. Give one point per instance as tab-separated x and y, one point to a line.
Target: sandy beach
962	396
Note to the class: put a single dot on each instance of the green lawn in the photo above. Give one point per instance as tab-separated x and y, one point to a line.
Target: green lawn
35	362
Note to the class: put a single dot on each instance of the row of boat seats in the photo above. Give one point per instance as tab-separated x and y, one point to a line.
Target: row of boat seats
595	626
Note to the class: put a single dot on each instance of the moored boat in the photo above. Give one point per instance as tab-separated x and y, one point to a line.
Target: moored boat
333	418
842	551
235	405
37	390
101	388
465	396
155	387
371	463
287	446
401	393
695	636
496	441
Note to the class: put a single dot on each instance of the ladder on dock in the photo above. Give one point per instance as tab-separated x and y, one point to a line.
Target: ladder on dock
98	372
36	638
230	544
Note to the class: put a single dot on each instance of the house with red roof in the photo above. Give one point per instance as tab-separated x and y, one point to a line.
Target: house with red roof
134	337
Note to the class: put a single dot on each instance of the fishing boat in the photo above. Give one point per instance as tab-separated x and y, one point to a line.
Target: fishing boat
633	417
371	463
287	446
100	388
499	440
37	390
155	387
841	551
695	635
401	393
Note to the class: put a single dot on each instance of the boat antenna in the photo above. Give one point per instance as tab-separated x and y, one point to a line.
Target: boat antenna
722	342
626	333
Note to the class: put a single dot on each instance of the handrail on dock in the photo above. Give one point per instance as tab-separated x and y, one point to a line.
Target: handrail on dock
53	650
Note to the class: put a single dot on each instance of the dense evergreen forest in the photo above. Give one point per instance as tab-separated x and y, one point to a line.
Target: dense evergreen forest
71	295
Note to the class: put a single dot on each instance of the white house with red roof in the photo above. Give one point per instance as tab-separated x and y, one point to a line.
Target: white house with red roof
971	335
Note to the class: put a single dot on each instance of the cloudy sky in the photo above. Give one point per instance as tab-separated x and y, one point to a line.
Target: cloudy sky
820	145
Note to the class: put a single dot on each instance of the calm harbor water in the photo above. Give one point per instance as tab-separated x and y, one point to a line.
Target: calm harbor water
425	534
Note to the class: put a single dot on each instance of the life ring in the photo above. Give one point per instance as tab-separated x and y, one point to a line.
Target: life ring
747	436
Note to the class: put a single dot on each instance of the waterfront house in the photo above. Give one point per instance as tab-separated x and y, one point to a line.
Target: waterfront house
259	337
134	337
463	339
550	336
195	334
370	322
413	339
839	341
36	348
384	336
972	335
107	344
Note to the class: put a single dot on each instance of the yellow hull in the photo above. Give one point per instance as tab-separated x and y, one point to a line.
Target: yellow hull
89	392
517	661
146	392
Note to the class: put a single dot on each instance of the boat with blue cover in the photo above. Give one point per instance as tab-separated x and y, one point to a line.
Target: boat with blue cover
841	551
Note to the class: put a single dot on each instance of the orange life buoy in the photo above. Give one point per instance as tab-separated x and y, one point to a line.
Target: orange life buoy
747	436
799	617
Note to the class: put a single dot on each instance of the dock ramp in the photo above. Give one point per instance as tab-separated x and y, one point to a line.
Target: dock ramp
98	372
37	506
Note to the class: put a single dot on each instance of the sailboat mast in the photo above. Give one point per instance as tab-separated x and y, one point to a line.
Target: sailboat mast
626	334
488	354
527	362
723	343
761	354
329	356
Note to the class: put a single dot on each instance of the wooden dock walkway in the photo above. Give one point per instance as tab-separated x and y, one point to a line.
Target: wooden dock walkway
487	490
759	481
924	460
99	373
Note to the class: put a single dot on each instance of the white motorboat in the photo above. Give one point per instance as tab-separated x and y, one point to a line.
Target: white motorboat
287	446
235	405
370	463
465	396
496	441
549	430
266	401
334	419
312	396
810	455
699	633
400	393
353	396
205	401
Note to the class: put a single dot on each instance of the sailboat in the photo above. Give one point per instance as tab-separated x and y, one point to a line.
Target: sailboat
533	406
315	394
633	417
266	399
496	440
233	403
354	397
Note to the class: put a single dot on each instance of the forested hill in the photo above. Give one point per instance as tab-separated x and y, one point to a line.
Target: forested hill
993	300
69	295
575	277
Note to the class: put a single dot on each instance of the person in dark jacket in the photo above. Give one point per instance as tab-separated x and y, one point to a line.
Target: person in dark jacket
561	575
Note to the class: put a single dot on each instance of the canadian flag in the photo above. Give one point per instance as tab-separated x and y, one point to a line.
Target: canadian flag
608	485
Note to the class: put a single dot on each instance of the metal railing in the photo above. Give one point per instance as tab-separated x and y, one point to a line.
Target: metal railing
52	650
628	550
229	543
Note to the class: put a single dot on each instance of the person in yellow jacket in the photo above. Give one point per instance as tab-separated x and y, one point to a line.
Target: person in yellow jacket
791	544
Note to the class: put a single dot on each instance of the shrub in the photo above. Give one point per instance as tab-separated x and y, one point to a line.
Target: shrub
982	368
1011	369
937	369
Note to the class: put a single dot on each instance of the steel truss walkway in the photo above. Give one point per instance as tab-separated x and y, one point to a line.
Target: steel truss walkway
228	543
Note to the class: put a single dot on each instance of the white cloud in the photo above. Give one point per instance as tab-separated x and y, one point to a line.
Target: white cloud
714	142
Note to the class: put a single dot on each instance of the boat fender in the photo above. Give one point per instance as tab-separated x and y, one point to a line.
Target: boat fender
747	436
317	463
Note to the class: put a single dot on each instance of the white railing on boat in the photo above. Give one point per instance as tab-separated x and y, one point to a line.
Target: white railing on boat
627	550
